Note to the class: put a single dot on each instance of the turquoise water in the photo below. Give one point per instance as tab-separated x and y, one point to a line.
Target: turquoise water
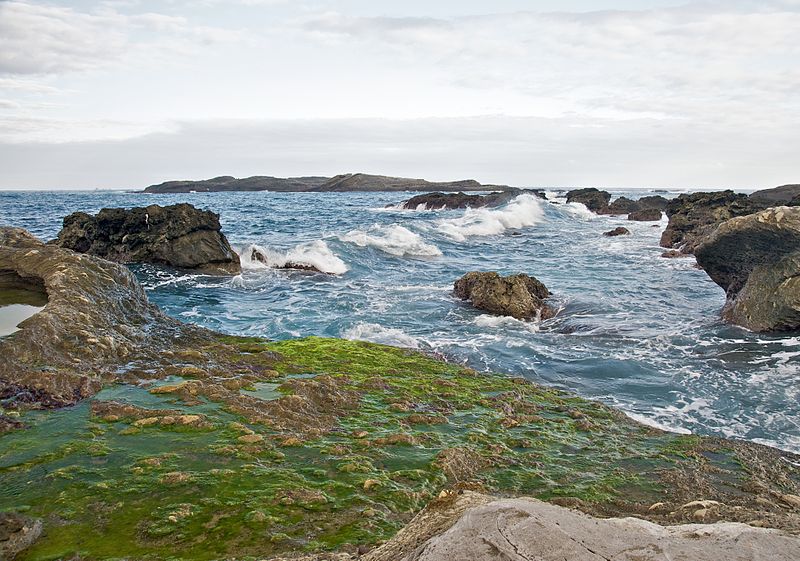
634	330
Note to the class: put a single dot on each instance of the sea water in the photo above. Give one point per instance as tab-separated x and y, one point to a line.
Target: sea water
634	330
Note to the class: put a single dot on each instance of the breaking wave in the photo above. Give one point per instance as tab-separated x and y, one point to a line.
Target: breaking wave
394	240
316	254
375	333
522	212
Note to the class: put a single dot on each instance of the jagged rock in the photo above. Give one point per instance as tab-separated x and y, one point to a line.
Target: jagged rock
476	527
645	215
694	216
518	296
618	231
437	200
17	533
785	195
96	318
594	199
622	205
653	201
756	260
178	236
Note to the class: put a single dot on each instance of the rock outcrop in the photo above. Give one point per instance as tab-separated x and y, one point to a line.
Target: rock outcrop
785	195
694	216
367	182
756	260
519	296
227	183
618	231
17	533
645	215
96	319
438	200
477	527
594	199
178	236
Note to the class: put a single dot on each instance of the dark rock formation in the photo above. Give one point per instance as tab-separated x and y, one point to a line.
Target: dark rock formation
594	199
469	525
17	533
178	236
694	216
228	183
645	215
438	200
366	182
785	195
618	231
97	318
756	260
7	424
622	205
256	255
518	296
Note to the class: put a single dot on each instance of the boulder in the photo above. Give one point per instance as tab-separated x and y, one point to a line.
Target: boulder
618	231
178	236
17	533
438	200
653	201
96	317
694	216
622	205
756	260
645	215
594	199
785	195
474	526
518	296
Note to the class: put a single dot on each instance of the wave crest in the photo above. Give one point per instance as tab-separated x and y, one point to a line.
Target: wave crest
522	212
375	333
315	254
394	240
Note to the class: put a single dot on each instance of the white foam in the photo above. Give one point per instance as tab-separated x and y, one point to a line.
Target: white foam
394	240
316	254
490	321
656	424
523	211
578	210
378	334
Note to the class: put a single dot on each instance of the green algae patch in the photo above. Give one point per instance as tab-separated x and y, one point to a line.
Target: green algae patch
320	444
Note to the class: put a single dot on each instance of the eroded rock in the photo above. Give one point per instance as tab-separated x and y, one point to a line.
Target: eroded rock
645	215
618	231
17	533
594	199
438	200
519	296
177	236
756	260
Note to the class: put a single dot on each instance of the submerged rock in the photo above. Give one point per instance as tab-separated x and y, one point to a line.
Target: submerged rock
519	296
694	216
438	200
178	236
756	260
478	527
17	533
96	319
618	231
645	215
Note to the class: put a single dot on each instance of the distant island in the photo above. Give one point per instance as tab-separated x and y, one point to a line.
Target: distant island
339	183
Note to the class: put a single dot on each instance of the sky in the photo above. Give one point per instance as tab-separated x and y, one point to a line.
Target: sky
607	93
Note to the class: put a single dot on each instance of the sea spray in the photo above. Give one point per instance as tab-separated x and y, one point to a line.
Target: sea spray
522	212
394	240
316	254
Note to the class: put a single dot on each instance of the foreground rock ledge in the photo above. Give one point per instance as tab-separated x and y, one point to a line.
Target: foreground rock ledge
756	260
179	236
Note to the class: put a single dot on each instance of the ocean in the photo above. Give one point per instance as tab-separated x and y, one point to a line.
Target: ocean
634	330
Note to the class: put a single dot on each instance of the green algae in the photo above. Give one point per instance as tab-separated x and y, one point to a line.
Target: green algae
237	488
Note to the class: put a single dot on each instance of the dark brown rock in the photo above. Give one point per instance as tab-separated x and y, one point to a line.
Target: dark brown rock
17	533
618	231
694	216
622	205
518	296
785	195
594	199
756	260
437	200
177	236
645	215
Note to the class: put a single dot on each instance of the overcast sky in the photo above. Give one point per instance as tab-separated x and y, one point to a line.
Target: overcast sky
615	93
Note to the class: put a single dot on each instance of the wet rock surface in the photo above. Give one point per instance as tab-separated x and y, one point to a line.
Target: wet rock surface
483	529
256	255
178	236
600	202
519	296
756	260
645	215
694	216
438	200
17	533
594	199
618	231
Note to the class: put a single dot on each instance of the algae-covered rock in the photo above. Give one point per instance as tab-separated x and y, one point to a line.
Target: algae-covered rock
476	527
178	236
519	296
756	260
17	533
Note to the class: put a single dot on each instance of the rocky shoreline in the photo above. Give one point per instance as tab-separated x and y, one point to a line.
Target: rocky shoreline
179	442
